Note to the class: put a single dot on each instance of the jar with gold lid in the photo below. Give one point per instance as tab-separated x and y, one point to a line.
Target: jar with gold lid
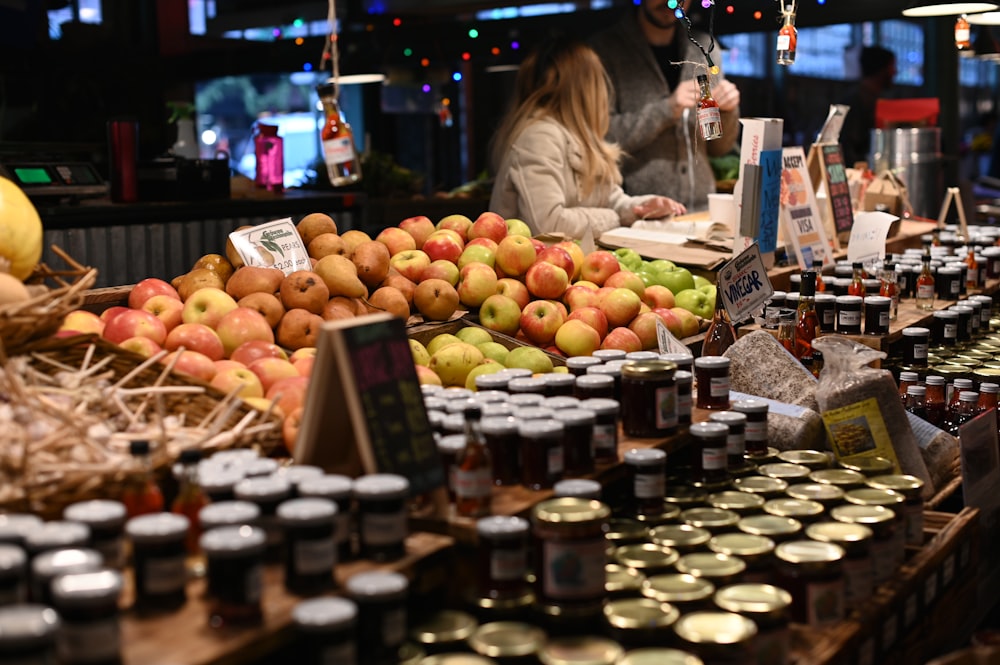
812	572
911	488
894	501
508	641
719	569
685	592
765	486
682	537
856	539
626	532
845	479
827	495
778	529
457	658
814	459
580	650
715	520
804	510
659	656
649	398
717	637
742	503
768	607
667	514
869	466
785	471
622	581
647	558
685	496
444	631
636	622
757	552
882	522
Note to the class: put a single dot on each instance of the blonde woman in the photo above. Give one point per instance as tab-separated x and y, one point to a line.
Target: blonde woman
554	168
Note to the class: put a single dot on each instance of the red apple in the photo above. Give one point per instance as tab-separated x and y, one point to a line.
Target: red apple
620	306
577	338
644	326
112	312
304	365
657	295
574	250
626	279
689	321
622	338
147	288
289	393
514	255
482	242
557	256
193	363
540	320
410	264
420	227
242	325
460	224
489	225
444	244
166	309
476	283
538	245
396	240
195	337
500	313
578	297
134	323
593	317
243	381
227	364
143	346
254	349
441	269
598	266
269	370
515	290
561	307
546	280
673	322
83	322
208	306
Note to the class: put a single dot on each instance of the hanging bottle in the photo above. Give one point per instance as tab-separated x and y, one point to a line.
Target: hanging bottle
473	469
925	285
721	334
963	34
340	153
709	115
787	37
269	150
141	495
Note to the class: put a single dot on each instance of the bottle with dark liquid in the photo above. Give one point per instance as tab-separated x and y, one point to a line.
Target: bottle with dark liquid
967	402
916	401
806	321
473	469
937	407
141	494
721	334
709	115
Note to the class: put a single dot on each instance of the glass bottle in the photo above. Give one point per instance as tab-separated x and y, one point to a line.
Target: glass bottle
958	386
269	151
925	285
889	288
967	403
141	494
473	469
907	379
857	286
987	397
962	34
806	321
936	406
972	274
721	334
787	39
916	401
190	497
786	331
709	116
343	165
817	266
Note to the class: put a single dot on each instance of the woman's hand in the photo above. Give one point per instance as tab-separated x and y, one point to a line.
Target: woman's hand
658	207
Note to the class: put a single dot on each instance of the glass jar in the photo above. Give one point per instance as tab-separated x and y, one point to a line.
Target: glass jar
106	521
502	554
849	315
814	459
382	515
577	365
949	282
541	445
50	564
717	637
646	558
559	384
55	535
228	513
28	634
534	385
877	315
495	381
449	446
14	527
768	607
859	575
87	604
621	581
605	436
741	503
659	656
812	572
736	446
845	479
882	522
296	474
685	592
326	627
590	386
235	573
964	322
445	631
911	488
649	398
710	446
778	529
895	501
719	569
756	432
503	443
310	550
158	558
712	379
508	641
219	483
583	650
945	328
786	471
684	538
578	444
381	600
757	552
803	510
826	495
765	486
581	488
569	532
685	381
338	489
826	312
646	468
637	622
715	520
267	493
13	575
869	466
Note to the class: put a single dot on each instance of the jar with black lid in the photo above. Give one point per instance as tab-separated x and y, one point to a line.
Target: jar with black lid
87	604
945	329
445	632
736	445
685	401
741	503
503	443
578	440
778	529
615	372
712	381
638	622
577	365
525	400
856	539
382	515
685	592
228	513
260	467
158	560
55	535
580	488
106	520
949	282
381	600
710	441
28	634
756	432
768	607
849	315
717	637
604	432
13	575
267	493
812	572
646	469
310	550
14	527
533	385
235	572
826	495
826	312
219	482
757	552
541	452
649	398
882	522
326	628
684	538
911	488
916	341
588	386
715	520
502	555
51	564
509	642
496	381
719	569
449	447
338	489
877	315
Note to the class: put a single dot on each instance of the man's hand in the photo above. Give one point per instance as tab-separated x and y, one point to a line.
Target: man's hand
727	95
658	207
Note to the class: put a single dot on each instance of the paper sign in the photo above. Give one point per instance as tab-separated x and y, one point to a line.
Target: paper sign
859	431
744	286
867	243
830	133
760	135
770	200
800	216
274	244
667	342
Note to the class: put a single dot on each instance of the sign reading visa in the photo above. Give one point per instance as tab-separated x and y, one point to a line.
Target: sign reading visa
743	284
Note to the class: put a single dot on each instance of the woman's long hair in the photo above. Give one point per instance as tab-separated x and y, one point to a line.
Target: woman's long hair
565	81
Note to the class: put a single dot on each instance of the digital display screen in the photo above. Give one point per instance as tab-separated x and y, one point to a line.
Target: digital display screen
33	176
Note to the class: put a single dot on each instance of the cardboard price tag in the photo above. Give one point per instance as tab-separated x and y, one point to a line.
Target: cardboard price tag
274	244
667	342
744	285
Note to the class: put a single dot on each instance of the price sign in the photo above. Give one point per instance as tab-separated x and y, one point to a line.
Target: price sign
274	244
837	188
743	284
867	243
667	342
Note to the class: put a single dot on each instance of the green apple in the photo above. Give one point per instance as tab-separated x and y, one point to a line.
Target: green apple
420	354
661	264
473	335
517	227
709	289
647	275
676	279
487	367
494	351
700	281
530	357
629	258
696	301
440	341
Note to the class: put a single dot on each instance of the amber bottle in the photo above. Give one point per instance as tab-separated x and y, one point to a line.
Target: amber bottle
721	334
709	115
141	494
806	321
473	469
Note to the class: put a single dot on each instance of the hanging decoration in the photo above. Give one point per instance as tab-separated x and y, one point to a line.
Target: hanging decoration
331	48
689	28
787	35
963	34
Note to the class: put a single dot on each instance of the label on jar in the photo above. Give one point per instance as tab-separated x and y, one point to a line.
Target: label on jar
859	580
554	460
954	286
950	331
736	444
573	570
383	528
913	515
605	439
755	431
883	320
339	654
314	557
666	407
164	575
338	150
925	291
784	41
920	351
825	601
829	316
473	484
719	386
253	584
883	559
649	485
394	626
713	459
850	318
508	564
89	642
684	403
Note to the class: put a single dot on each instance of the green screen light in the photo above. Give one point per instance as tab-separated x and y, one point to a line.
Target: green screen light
33	176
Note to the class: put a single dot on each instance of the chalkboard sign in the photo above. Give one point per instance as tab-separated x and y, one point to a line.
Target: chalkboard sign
837	189
364	411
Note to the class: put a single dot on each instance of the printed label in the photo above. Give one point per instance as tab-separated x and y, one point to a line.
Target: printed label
474	484
508	564
383	528
950	330
710	119
829	315
339	654
920	351
336	151
605	439
274	244
684	404
848	318
755	431
858	431
784	41
719	386
925	291
825	602
883	320
859	579
954	286
165	575
573	570
313	557
736	445
555	462
666	407
341	527
649	485
713	458
90	642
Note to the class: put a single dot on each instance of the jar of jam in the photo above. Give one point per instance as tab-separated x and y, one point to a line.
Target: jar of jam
685	592
13	575
741	503
712	379
570	533
338	489
647	558
813	459
882	522
646	469
524	400
326	627
577	365
736	445
267	493
541	444
911	488
534	385
845	479
235	573
826	495
849	315
503	443
449	447
803	510
495	381
685	402
826	312
638	622
659	656
945	328
381	600
106	520
589	386
985	312
535	413
584	650
560	402
765	486
508	641
28	634
682	537
710	441
581	488
715	520
877	315
768	607
260	467
869	466
621	581
295	474
559	384
867	496
578	440
15	526
609	355
382	515
756	432
757	552
605	435
778	529
503	557
310	550
786	471
158	558
949	282
228	513
812	572
445	632
719	569
717	637
649	398
55	535
218	482
87	604
964	322
50	564
855	539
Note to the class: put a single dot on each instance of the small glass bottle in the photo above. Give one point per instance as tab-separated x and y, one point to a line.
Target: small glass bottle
889	288
343	165
963	41
310	549
857	285
709	115
786	330
158	560
925	285
141	495
190	498
987	397
787	37
234	575
473	469
966	411
382	617
916	401
972	274
937	407
327	627
28	634
269	151
806	321
720	334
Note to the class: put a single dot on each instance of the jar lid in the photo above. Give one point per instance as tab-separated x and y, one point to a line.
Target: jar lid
733	500
525	400
668	513
684	495
260	466
296	473
575	416
771	526
50	563
543	428
682	536
715	628
582	488
798	508
12	559
648	369
56	534
84	589
227	513
639	613
307	511
909	486
263	488
444	626
741	544
456	393
646	556
15	526
712	362
838	477
877	301
682	360
497	410
869	496
235	456
841	533
607	369
469	408
677	588
453	422
784	470
157	528
604	355
582	362
945	314
916	331
451	443
320	615
536	413
728	418
619	578
526	384
753	598
808	552
585	650
708	430
814	459
683	377
381	486
99	513
642	355
595	381
215	479
760	484
570	510
825	297
329	486
485	396
377	585
620	530
495	381
25	627
602	406
710	565
876	465
659	656
436	403
749	406
710	518
562	402
501	525
860	514
645	456
849	300
410	653
507	639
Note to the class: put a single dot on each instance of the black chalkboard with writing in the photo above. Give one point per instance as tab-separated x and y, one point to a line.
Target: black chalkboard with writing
364	411
837	188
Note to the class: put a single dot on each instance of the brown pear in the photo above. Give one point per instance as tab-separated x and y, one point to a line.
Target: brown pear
390	299
356	306
304	289
340	276
199	278
325	244
218	263
371	258
352	239
404	285
338	308
298	328
313	225
253	279
265	303
176	281
231	253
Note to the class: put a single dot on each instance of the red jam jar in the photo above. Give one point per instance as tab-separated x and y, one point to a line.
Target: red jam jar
605	436
578	441
711	376
736	444
503	443
503	557
648	480
649	398
541	443
235	573
755	433
812	572
589	386
710	452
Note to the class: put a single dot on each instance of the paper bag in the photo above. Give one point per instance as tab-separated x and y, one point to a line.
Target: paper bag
888	190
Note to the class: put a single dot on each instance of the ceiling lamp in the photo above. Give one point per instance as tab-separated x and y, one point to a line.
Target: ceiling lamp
926	8
989	18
